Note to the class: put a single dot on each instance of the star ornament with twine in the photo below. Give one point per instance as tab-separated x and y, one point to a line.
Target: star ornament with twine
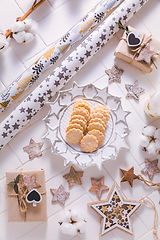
116	211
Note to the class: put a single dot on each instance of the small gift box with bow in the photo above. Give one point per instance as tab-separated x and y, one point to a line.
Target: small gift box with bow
138	49
26	195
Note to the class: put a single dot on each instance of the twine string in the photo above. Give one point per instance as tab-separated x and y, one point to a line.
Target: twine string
148	183
152	205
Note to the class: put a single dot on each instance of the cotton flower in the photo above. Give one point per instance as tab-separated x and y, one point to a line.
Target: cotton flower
24	31
150	140
72	222
3	42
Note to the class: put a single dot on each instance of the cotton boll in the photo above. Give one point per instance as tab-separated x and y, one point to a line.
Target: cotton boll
77	215
3	42
66	227
81	226
148	130
18	27
19	37
151	149
157	133
31	26
28	37
65	216
144	141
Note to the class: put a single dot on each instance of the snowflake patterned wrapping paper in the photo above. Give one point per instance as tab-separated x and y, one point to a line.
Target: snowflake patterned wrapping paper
66	70
26	79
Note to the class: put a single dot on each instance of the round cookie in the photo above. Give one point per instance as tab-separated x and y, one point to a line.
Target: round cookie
75	125
81	122
81	111
98	115
98	120
74	136
89	143
102	111
80	117
82	103
96	126
99	135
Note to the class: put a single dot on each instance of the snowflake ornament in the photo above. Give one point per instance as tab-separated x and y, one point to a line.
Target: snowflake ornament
72	222
24	31
150	140
3	42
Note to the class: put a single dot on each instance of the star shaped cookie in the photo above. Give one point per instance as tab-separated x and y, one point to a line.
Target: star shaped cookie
145	55
73	177
115	211
98	186
59	194
30	181
128	176
151	168
33	149
134	90
114	74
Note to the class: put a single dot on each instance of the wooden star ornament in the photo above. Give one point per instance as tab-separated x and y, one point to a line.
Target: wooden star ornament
151	168
114	74
98	186
30	181
128	176
134	90
33	149
73	177
59	194
115	211
146	54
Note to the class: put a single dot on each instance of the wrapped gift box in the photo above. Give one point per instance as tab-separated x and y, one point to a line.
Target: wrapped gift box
124	52
38	213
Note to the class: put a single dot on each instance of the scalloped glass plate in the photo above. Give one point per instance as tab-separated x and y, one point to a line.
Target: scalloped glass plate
58	118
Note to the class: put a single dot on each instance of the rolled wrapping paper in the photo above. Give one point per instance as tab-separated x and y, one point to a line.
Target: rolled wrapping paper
66	70
26	79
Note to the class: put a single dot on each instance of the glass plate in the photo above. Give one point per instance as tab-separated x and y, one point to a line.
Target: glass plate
58	118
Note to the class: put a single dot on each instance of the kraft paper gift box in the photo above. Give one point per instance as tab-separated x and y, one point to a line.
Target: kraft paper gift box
38	213
124	52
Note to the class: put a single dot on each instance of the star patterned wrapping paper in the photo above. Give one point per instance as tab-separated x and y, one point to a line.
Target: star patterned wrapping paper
26	79
66	70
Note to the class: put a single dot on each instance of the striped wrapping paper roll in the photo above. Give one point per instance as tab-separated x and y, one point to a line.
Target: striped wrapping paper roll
75	34
66	70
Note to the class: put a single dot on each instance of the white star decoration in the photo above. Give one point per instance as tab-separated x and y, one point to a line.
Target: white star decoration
76	91
119	216
120	114
119	143
69	157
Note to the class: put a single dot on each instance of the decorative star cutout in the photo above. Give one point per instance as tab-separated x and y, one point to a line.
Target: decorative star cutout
145	55
76	91
69	157
33	149
119	143
115	211
59	194
120	114
103	94
114	74
151	168
73	177
30	181
134	90
98	186
128	176
56	108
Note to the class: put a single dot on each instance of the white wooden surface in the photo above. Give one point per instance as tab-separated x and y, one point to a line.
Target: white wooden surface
54	18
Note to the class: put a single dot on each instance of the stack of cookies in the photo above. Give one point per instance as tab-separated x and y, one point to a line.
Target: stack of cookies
80	117
78	121
96	129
